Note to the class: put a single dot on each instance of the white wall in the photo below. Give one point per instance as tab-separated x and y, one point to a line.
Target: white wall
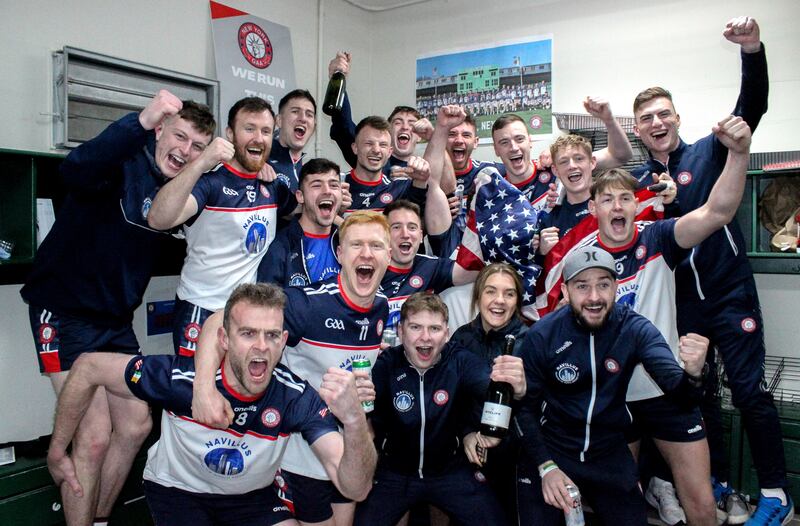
174	34
613	48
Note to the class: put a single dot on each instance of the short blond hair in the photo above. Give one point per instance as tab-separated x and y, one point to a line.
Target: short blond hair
565	141
365	217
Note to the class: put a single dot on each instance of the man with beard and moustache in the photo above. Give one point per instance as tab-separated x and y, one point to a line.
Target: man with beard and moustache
93	268
716	291
578	364
646	255
305	251
199	475
229	217
331	324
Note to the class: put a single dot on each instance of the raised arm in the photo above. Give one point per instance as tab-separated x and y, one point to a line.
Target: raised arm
90	371
208	405
437	208
349	458
174	204
343	129
754	91
726	194
619	150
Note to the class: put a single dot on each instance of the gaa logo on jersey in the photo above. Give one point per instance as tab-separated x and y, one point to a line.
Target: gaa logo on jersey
263	190
403	401
641	252
192	332
146	207
567	373
416	281
749	325
270	417
536	122
386	198
684	178
611	365
47	333
255	45
440	397
545	177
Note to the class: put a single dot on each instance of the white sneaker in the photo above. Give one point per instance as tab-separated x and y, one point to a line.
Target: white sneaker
661	495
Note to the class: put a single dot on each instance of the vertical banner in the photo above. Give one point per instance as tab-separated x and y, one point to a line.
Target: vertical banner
513	77
253	56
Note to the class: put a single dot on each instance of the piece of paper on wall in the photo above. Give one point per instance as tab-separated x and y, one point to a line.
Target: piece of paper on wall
512	77
45	217
253	57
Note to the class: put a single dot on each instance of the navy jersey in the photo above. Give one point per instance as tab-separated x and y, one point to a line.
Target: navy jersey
534	187
97	260
376	195
418	417
465	185
564	216
287	260
577	380
287	169
646	283
244	457
426	273
720	262
326	329
234	225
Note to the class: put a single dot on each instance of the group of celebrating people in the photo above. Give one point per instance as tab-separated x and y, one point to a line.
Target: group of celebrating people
297	273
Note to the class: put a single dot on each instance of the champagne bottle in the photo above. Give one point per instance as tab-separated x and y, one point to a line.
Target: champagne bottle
497	407
334	95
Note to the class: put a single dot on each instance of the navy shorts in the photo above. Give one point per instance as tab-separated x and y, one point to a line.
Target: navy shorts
169	506
188	323
663	419
61	339
309	498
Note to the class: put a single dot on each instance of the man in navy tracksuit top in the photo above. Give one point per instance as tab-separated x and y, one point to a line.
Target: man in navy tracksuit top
305	251
421	388
578	363
92	270
716	292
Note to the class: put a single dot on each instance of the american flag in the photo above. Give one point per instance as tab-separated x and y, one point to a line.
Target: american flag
501	224
548	289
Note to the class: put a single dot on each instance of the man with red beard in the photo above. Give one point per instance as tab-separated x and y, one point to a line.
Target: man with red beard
229	214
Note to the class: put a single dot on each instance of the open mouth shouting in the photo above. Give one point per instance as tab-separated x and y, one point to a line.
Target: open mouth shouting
575	176
300	132
424	352
364	274
403	140
459	155
516	163
258	369
175	162
618	225
327	208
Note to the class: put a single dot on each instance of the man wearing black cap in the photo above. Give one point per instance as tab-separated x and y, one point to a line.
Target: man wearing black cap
578	363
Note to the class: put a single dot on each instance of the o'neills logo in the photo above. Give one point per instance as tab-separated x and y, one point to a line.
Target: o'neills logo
255	45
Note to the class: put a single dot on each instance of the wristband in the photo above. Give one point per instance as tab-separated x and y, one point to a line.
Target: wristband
546	468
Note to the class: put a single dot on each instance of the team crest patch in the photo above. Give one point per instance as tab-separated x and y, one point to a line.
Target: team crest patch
403	401
416	281
255	45
440	397
270	417
567	373
146	207
480	477
535	122
749	325
379	327
684	178
297	280
611	365
386	198
641	252
192	332
545	177
263	190
47	333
